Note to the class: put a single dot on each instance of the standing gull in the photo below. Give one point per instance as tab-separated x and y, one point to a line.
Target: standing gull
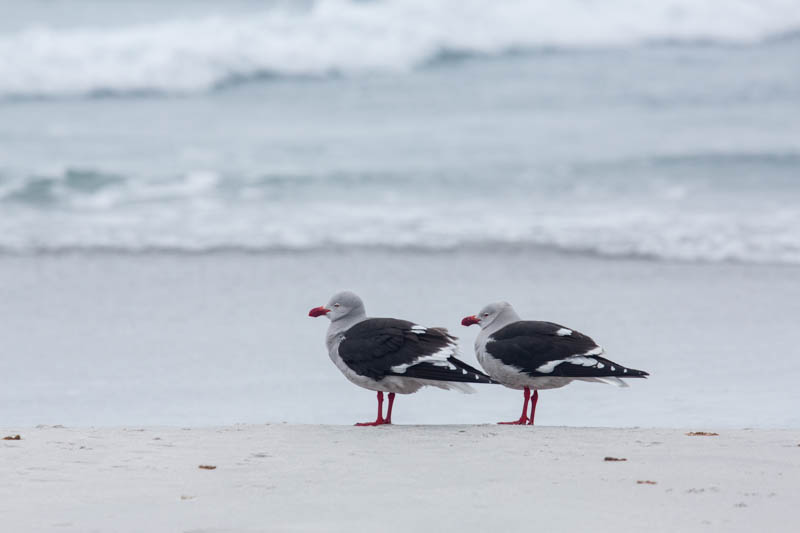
391	355
525	354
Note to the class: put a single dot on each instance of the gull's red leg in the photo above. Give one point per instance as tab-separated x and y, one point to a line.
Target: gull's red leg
388	419
524	418
378	421
534	400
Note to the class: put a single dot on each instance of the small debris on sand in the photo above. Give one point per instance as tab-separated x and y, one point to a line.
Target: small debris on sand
614	459
185	497
645	482
207	467
12	437
702	434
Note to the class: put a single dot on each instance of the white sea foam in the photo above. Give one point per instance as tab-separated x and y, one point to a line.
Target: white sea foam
195	54
92	211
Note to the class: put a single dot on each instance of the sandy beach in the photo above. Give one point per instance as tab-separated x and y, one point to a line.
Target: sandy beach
401	478
139	355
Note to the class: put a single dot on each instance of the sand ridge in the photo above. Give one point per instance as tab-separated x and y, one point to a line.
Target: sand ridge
444	478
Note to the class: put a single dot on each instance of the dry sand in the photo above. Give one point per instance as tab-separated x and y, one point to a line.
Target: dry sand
400	478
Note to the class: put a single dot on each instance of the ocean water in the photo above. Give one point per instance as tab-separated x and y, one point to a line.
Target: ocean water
668	130
180	181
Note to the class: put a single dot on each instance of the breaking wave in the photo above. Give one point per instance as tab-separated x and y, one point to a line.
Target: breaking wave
354	37
203	212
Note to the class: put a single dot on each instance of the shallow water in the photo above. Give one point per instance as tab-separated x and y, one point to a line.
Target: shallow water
113	340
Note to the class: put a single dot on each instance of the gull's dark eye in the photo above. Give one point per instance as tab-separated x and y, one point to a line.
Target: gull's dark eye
336	305
485	314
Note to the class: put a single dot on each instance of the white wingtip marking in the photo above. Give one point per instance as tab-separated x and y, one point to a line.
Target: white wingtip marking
579	360
563	332
582	361
439	359
549	366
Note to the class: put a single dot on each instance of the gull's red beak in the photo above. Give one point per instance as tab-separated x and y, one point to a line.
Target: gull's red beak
469	320
319	311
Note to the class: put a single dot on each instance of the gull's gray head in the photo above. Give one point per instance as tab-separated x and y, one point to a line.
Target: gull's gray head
498	312
341	304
